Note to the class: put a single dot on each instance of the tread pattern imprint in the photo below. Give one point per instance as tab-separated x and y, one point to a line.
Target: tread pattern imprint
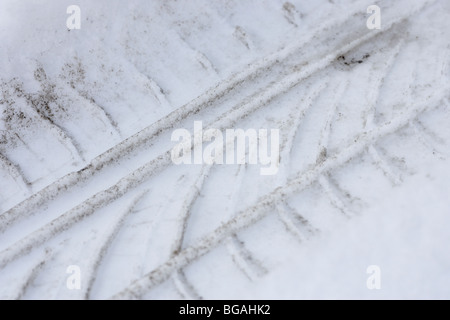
356	108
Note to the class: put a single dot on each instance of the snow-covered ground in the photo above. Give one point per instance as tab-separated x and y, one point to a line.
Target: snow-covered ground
87	180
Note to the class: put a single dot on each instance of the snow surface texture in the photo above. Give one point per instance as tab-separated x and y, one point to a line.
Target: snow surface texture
86	177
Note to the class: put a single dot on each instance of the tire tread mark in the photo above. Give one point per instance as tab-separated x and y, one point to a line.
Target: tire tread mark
296	224
241	256
324	180
76	214
32	275
295	120
139	175
374	153
91	101
383	165
62	135
24	208
244	259
111	234
333	196
254	213
202	59
428	138
185	287
378	83
15	172
189	201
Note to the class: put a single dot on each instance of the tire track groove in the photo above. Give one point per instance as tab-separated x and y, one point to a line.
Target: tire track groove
254	213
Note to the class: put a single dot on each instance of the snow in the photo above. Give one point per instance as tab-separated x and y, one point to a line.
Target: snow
86	177
406	237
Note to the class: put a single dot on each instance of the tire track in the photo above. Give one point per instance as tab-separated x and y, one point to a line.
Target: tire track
140	175
39	106
76	94
244	259
33	275
254	213
74	215
241	256
184	287
296	224
333	196
132	180
27	207
111	234
383	165
295	120
324	180
370	121
428	139
15	172
189	201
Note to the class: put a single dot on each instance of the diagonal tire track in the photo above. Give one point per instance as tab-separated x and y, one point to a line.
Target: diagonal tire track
131	181
265	203
301	71
134	179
